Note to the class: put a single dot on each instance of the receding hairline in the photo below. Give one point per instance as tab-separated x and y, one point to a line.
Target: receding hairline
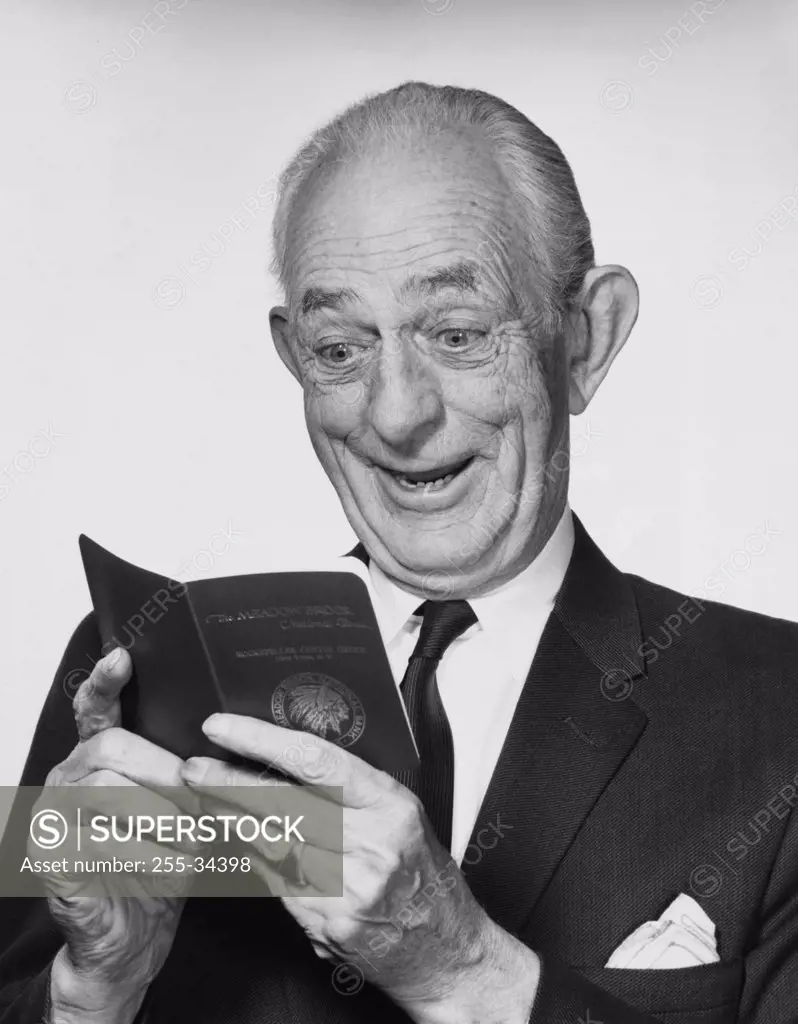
555	228
503	246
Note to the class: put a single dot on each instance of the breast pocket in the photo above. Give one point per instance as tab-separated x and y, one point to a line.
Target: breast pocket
708	994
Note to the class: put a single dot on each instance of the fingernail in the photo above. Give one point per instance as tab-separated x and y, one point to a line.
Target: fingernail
194	770
112	659
212	724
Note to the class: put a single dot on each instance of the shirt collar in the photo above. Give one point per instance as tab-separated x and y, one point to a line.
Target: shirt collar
502	613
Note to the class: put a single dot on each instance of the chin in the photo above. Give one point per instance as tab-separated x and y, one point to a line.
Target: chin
430	561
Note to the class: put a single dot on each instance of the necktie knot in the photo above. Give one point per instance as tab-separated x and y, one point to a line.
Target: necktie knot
444	621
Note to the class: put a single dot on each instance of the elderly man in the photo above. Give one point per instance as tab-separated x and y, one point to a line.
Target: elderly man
443	318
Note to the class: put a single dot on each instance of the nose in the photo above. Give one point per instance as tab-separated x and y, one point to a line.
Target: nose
405	402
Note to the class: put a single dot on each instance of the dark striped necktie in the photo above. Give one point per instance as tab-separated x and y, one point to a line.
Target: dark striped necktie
433	780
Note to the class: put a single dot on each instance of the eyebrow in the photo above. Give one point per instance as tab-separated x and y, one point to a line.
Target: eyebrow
315	299
462	276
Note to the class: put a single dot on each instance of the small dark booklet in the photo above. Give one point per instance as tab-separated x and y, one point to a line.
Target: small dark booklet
300	649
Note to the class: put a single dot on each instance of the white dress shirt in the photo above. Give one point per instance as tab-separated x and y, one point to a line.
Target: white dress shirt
482	673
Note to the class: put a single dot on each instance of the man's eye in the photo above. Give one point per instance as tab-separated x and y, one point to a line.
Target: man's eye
455	338
338	353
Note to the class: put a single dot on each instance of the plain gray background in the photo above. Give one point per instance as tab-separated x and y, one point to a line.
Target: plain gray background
141	400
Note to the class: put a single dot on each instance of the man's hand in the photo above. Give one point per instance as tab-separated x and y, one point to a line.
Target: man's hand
407	918
115	945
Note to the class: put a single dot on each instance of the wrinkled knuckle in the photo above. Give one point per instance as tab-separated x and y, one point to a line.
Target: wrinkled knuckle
83	695
82	691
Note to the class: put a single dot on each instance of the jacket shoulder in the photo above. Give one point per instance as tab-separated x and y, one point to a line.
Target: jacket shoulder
709	622
709	655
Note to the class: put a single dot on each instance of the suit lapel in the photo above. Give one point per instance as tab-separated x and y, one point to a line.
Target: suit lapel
574	726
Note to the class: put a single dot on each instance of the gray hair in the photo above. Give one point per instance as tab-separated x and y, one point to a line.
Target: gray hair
557	229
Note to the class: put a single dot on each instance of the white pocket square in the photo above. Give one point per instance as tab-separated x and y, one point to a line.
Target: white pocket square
682	937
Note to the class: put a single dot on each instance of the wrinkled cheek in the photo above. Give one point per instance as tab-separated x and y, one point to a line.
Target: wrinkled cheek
526	391
332	413
514	390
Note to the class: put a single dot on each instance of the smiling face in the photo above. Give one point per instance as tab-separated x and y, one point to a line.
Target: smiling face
433	397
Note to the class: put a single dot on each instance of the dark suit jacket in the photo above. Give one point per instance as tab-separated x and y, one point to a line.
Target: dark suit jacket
654	751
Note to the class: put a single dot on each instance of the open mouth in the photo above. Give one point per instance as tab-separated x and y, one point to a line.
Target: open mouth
431	479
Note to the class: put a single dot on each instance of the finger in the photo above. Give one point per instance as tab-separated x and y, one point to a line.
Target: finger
96	704
268	743
211	771
133	757
106	794
144	868
307	873
110	793
275	848
119	809
124	752
130	755
319	821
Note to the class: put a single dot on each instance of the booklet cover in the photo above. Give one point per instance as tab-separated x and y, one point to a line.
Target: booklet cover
300	649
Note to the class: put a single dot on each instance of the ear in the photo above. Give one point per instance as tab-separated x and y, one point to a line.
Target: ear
604	315
281	336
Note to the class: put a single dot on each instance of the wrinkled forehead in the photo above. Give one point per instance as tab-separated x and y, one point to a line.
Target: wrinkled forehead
401	220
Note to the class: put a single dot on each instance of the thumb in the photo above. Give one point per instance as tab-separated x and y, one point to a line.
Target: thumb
96	704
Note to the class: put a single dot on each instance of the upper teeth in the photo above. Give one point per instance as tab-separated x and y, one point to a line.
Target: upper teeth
429	485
